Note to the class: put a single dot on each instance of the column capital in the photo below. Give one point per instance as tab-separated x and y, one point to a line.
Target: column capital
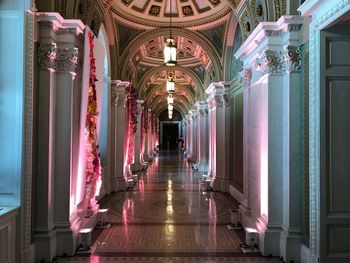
286	60
193	114
140	105
218	96
118	92
47	56
67	60
215	88
202	108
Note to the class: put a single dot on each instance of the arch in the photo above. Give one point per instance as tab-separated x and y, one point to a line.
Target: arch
135	44
162	99
190	100
162	106
231	32
155	70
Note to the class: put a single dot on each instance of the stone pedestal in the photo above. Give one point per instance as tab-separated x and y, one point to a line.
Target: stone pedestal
218	103
118	124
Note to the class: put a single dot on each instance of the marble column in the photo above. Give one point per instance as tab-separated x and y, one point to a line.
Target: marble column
194	136
149	135
146	136
218	102
137	166
202	137
56	228
274	138
118	124
187	136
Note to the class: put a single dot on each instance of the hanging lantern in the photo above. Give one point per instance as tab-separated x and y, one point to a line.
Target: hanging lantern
170	52
170	99
170	46
170	84
170	107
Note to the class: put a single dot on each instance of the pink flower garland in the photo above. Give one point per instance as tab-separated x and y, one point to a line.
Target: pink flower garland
93	163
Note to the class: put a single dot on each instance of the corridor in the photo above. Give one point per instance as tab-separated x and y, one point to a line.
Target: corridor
168	218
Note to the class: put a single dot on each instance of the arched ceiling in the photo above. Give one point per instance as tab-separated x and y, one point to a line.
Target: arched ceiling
156	13
199	28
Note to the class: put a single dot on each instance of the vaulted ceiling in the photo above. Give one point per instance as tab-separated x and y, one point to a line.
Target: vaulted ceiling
205	31
199	28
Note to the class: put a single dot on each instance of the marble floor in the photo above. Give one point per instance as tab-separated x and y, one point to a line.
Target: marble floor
168	218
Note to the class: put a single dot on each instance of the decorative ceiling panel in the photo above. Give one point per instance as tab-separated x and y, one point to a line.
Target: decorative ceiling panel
183	13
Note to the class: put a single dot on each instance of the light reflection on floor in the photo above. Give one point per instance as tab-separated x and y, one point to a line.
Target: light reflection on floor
168	219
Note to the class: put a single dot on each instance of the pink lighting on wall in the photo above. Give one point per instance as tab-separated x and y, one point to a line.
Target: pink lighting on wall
263	179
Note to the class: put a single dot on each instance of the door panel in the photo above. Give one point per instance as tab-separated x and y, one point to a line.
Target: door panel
335	144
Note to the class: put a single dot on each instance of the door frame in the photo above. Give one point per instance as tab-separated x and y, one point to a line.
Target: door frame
323	14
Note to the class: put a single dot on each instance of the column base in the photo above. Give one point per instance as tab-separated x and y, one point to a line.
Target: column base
66	241
137	167
221	185
120	184
45	246
246	219
290	245
146	157
269	240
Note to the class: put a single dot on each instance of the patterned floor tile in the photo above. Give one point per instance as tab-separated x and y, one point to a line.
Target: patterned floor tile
168	219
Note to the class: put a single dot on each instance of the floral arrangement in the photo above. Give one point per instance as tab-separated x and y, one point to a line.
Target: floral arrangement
93	163
132	107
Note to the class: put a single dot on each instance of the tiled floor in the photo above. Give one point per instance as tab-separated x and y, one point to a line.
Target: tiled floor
168	219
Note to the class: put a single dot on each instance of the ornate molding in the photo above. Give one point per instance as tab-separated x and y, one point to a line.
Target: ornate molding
226	98
28	132
271	62
60	30
218	100
47	56
67	60
292	58
118	96
202	112
319	20
246	77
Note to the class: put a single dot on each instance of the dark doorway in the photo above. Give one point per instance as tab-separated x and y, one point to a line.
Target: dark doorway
170	136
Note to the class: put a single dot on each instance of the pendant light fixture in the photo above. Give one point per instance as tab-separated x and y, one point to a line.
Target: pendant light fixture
170	98
170	46
170	84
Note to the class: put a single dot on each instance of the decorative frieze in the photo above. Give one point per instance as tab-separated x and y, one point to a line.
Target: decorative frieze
67	60
47	56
